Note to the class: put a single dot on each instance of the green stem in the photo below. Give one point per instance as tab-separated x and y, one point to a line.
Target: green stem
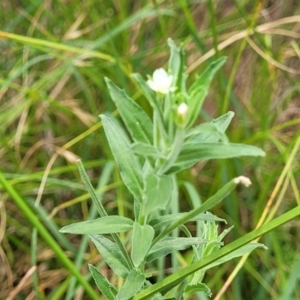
176	148
160	134
35	278
33	219
155	129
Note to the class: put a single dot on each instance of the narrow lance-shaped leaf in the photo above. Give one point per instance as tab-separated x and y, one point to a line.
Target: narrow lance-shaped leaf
176	65
129	166
220	124
150	95
199	89
204	132
157	192
146	150
112	254
194	152
137	121
108	290
237	253
223	121
132	285
166	246
165	220
104	225
142	237
192	289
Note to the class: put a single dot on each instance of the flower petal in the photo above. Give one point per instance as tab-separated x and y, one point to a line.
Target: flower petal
161	82
152	85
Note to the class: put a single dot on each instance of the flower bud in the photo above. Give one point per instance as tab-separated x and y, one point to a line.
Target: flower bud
182	111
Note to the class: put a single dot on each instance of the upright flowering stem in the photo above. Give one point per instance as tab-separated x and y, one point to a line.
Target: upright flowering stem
161	83
176	148
155	130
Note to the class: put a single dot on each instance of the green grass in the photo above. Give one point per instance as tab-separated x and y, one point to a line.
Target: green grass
54	57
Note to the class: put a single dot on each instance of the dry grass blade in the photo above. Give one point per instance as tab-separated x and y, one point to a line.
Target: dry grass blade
240	35
270	59
21	284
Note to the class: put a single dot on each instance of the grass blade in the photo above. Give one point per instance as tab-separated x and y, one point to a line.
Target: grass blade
21	203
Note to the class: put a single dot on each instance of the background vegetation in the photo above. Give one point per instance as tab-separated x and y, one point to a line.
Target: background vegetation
54	56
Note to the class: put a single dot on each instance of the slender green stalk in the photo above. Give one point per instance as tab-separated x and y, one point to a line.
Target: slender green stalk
176	148
213	25
35	278
52	227
191	25
161	21
32	218
59	292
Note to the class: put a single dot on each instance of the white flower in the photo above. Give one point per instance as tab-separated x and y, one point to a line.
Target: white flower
161	82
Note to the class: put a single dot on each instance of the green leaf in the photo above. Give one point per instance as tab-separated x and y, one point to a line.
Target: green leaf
157	192
204	132
176	66
223	121
129	167
192	289
146	150
108	290
210	132
194	152
237	253
220	124
149	94
166	220
104	225
141	241
132	285
224	233
112	254
213	245
151	97
168	245
199	89
137	121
